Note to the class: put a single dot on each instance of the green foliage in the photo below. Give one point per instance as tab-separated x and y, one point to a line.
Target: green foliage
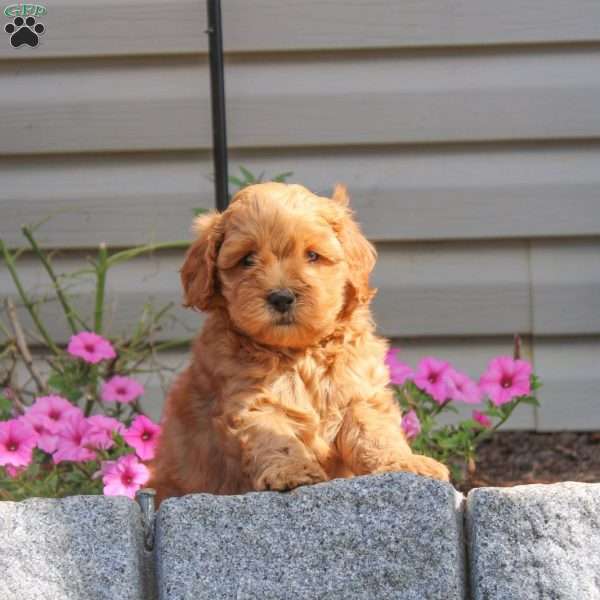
5	408
137	351
455	445
247	178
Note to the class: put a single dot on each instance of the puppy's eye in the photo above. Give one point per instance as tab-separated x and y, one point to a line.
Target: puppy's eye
248	260
312	256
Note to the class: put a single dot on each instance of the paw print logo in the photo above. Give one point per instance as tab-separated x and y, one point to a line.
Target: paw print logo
24	31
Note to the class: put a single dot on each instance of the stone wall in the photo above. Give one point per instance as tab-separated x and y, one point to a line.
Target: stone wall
390	536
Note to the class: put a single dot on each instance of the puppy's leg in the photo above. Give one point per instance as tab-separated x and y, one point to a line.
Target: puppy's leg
371	441
277	451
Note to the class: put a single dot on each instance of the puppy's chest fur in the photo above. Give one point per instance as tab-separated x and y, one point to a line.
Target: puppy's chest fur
323	388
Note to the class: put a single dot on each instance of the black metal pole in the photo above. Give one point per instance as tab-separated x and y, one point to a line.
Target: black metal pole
217	89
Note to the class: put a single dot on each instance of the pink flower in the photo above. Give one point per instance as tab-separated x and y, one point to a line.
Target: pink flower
124	477
17	441
13	472
91	347
399	371
432	377
143	437
505	379
71	441
100	432
411	424
121	389
46	428
56	408
482	419
463	388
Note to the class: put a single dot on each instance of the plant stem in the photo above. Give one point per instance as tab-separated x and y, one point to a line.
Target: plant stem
173	344
487	432
69	312
92	373
22	345
101	270
133	252
439	408
89	405
8	259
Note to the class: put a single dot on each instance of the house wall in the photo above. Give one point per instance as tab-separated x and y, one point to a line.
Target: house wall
468	134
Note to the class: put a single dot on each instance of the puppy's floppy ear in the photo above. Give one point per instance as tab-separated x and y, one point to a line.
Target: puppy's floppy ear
198	273
359	252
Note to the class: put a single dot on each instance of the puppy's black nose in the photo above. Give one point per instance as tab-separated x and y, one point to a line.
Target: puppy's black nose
281	300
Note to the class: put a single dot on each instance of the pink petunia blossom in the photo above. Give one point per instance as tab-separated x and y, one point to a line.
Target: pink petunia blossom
46	429
482	419
121	389
56	408
143	437
17	441
399	371
463	388
71	441
432	377
90	347
100	432
13	472
505	379
124	477
411	424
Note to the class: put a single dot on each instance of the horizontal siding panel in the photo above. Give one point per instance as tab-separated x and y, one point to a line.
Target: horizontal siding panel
399	194
149	104
570	397
424	290
566	286
113	28
158	27
452	289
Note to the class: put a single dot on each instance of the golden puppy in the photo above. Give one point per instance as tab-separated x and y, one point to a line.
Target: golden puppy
287	384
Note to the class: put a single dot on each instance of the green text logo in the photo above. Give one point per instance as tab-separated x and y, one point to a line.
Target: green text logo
25	10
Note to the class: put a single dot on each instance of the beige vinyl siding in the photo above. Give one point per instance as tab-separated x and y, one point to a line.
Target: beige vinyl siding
383	97
147	27
468	134
431	192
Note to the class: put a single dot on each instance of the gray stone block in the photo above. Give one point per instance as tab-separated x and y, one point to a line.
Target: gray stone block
376	537
78	548
535	542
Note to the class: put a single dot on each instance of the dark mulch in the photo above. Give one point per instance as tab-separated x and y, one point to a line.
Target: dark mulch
516	458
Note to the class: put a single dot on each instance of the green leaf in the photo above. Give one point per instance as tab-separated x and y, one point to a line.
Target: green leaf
531	400
5	408
536	383
283	176
491	410
250	178
200	211
236	181
67	385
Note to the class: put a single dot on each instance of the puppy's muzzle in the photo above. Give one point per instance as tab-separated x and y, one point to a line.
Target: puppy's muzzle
282	300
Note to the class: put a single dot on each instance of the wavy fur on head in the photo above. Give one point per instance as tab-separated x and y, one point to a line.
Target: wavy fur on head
275	400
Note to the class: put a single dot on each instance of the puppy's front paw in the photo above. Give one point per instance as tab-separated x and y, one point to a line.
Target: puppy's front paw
418	464
288	477
431	468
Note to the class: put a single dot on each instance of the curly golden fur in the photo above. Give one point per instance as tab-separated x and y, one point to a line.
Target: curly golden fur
274	399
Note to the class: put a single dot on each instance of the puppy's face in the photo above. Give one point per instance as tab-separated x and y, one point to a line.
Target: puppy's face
286	265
